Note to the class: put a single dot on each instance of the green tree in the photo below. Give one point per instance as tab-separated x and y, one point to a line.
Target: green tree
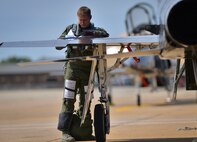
15	59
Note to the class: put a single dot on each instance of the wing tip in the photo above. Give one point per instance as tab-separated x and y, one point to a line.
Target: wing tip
1	43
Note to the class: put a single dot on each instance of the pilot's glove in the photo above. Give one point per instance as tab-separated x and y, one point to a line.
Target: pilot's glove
60	47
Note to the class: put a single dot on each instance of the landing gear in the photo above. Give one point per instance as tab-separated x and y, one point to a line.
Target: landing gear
138	100
100	123
101	111
191	70
194	63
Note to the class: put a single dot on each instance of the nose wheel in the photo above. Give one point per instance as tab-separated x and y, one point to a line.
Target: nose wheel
99	123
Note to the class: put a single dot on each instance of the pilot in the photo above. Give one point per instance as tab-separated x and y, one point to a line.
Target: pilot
76	76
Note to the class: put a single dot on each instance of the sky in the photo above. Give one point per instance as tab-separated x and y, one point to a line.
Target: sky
29	20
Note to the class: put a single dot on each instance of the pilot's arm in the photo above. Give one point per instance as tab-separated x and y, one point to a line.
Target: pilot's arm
63	35
97	32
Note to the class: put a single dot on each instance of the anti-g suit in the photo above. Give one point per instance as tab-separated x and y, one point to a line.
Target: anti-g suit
76	80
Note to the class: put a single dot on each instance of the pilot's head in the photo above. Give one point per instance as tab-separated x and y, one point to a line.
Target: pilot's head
84	16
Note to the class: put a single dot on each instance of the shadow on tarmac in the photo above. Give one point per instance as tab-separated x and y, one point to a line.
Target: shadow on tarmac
157	140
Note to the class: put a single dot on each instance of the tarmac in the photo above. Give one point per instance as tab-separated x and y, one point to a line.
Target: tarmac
31	115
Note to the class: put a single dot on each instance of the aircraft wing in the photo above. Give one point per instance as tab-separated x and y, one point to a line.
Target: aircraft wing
134	40
44	43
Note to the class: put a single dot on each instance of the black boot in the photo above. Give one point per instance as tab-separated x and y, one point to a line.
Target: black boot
82	132
65	119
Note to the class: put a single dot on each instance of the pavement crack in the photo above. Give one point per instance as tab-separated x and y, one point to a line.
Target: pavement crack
187	129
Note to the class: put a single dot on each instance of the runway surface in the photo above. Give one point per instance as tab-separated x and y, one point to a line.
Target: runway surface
31	116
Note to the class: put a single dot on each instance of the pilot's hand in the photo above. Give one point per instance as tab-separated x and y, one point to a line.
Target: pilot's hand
60	47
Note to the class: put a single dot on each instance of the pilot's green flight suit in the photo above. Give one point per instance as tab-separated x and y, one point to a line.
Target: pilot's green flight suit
76	81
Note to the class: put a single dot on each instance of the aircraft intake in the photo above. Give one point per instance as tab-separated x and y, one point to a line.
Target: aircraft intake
181	23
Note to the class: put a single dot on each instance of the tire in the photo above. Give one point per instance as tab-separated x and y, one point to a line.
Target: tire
99	123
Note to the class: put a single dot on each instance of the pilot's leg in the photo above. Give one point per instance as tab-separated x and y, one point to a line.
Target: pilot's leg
85	131
87	126
66	115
